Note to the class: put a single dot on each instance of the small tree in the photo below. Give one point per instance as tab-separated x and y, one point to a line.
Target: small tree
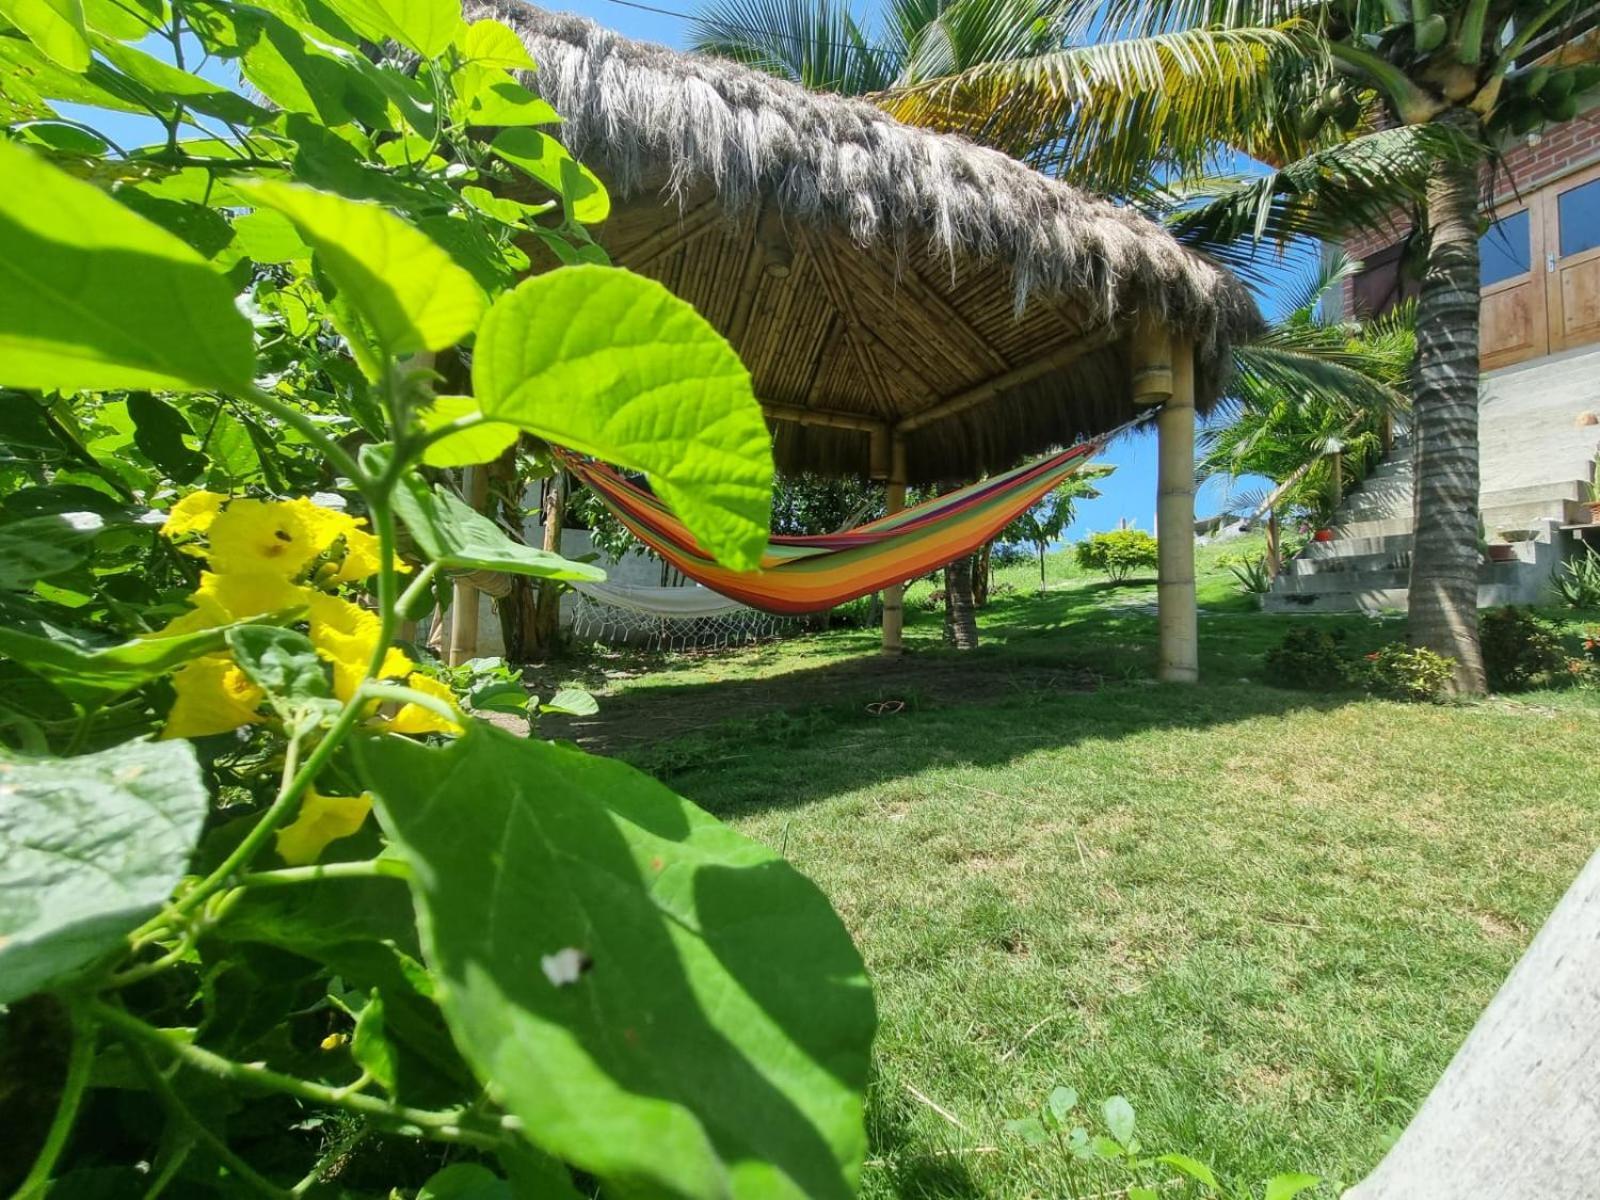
1047	520
1118	553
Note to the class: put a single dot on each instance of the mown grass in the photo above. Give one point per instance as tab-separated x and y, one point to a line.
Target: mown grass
1266	917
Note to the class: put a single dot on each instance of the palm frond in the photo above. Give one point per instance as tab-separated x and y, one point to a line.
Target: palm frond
1102	114
816	43
1366	182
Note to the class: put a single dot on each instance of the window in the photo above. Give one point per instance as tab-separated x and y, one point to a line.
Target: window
1504	252
1578	217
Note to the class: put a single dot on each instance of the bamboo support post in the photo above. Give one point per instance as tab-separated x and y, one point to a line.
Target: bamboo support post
1163	373
894	595
464	600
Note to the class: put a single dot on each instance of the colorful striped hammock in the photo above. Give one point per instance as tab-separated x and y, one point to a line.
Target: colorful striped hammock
813	574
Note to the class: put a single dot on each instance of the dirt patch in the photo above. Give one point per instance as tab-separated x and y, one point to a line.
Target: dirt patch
878	689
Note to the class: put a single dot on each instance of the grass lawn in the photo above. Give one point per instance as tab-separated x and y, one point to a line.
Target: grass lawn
1266	917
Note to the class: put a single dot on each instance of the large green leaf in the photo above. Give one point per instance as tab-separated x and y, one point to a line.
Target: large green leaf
662	1001
95	674
55	26
93	296
467	447
452	535
89	848
612	364
409	291
543	158
426	26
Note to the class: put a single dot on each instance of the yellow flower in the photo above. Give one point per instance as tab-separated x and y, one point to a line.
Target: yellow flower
258	536
346	636
224	599
214	696
361	558
322	819
414	718
193	514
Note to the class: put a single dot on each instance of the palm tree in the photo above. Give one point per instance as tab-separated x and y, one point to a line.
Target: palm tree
1364	108
1312	442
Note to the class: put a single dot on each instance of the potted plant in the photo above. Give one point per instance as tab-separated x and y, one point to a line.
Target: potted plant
1502	552
1322	535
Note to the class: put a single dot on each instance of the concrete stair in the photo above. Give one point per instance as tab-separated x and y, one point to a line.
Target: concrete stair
1536	461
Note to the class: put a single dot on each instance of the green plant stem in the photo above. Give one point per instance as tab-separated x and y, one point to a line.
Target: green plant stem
404	695
452	1125
80	1063
179	1111
416	588
372	868
290	415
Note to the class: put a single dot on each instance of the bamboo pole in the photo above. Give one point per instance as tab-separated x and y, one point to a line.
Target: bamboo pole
894	501
464	600
1179	615
1163	373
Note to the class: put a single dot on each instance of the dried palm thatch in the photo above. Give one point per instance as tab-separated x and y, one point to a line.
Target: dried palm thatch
883	283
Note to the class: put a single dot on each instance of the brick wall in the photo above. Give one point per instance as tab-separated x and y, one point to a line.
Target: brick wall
1530	163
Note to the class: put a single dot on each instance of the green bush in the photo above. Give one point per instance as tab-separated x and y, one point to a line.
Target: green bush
1519	651
1310	659
1412	673
1118	553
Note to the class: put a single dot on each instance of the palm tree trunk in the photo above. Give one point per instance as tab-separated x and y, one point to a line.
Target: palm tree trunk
1444	560
960	615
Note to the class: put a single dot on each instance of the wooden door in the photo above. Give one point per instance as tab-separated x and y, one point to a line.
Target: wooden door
1572	259
1514	325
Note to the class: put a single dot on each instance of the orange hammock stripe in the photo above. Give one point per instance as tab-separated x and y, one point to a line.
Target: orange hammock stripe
812	574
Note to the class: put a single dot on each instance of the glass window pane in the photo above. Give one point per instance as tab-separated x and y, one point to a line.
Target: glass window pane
1503	251
1578	212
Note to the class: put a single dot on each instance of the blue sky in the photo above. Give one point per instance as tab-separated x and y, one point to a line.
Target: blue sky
1129	494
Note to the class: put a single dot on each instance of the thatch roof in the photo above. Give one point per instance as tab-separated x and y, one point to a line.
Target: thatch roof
868	271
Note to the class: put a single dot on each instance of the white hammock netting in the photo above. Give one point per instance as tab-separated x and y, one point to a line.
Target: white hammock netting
669	618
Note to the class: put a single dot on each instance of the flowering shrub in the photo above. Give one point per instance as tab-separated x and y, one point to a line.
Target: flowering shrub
1412	673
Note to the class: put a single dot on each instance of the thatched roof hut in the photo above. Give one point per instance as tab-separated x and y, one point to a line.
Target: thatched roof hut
883	283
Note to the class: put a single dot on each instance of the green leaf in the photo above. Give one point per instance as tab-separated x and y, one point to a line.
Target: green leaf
280	661
465	1181
426	26
173	83
503	101
36	548
468	447
89	848
55	26
370	1047
506	211
574	702
159	432
1061	1102
1289	1185
501	696
449	533
491	44
1143	1193
409	291
1191	1167
93	675
612	364
1119	1118
1030	1130
543	158
67	254
718	1042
